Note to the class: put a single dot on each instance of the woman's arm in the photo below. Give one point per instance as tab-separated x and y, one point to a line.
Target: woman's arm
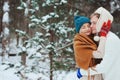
103	33
99	53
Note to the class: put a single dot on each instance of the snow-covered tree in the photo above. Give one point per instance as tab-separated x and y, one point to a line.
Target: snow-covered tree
5	30
114	5
53	32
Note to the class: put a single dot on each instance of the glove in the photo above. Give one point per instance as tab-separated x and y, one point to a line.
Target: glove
79	75
105	28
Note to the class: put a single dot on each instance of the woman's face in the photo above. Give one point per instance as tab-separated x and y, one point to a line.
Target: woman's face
85	29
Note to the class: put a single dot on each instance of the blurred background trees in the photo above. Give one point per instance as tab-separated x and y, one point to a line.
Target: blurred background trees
49	24
64	10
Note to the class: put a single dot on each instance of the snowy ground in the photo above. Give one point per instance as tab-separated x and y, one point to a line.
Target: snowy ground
10	72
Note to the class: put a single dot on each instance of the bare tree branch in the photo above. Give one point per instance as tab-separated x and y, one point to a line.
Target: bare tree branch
64	47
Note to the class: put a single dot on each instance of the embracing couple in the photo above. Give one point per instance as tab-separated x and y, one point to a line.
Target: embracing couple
96	54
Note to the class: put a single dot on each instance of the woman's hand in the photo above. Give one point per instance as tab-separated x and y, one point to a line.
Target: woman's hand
105	28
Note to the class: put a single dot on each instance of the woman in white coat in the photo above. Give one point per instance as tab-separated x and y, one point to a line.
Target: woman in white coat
110	64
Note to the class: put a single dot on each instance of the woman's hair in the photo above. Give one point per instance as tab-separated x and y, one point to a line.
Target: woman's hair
95	14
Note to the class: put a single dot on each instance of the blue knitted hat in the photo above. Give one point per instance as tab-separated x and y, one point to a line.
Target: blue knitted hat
79	21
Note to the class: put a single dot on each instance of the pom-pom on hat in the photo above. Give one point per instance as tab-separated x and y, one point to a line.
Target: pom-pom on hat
79	21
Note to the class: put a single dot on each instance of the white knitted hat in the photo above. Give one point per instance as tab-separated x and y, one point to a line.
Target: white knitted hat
104	17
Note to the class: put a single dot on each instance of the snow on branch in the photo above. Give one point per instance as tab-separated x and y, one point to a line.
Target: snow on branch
6	7
114	5
6	17
6	14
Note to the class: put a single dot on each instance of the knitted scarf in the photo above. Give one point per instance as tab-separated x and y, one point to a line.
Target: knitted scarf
83	49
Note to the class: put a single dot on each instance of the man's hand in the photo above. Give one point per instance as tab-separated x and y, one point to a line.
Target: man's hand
105	28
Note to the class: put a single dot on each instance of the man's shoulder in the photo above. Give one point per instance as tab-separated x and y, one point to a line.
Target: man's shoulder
112	35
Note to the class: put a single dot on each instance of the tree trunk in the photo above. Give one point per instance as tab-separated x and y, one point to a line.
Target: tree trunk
23	58
51	55
1	14
51	65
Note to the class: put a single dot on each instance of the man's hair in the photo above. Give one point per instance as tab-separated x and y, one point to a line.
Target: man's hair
95	14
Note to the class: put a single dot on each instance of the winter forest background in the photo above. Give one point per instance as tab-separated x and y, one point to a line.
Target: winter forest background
36	36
